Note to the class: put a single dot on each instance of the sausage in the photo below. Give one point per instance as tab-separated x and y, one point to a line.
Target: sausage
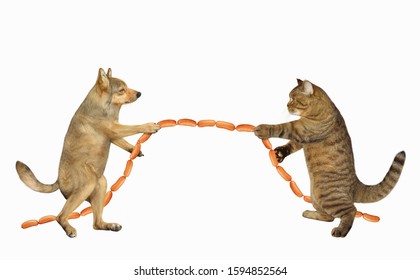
74	215
187	122
273	158
117	184
295	189
283	173
108	197
371	218
136	150
29	223
86	211
245	128
307	199
144	138
267	143
128	168
47	219
167	123
225	125
205	123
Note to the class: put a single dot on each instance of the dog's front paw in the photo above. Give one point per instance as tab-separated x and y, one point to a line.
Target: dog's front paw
151	128
262	131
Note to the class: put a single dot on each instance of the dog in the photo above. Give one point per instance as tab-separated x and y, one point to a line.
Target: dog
92	129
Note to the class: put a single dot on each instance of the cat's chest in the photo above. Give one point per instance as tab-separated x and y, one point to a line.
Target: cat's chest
327	159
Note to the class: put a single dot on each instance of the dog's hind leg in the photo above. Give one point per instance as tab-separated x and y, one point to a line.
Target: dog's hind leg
96	199
73	201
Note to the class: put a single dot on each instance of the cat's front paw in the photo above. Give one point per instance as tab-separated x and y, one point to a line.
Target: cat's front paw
282	152
262	131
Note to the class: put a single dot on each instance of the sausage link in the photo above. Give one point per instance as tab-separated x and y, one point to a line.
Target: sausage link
86	211
295	189
187	122
29	223
118	184
205	123
245	128
108	197
307	199
225	125
144	138
371	218
273	158
47	219
267	143
358	214
286	176
128	168
74	215
167	123
136	150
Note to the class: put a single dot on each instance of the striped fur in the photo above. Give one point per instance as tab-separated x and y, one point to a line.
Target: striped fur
322	134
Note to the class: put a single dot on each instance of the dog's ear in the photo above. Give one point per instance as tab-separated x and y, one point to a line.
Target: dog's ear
109	74
103	80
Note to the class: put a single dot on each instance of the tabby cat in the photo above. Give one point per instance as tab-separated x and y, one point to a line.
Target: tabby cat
322	133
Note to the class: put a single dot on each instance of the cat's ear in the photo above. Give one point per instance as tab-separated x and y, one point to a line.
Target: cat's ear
307	88
299	81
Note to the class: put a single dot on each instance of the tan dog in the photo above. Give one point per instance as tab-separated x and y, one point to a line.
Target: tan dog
86	147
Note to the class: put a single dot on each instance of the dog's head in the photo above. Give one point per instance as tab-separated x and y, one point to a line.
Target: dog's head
115	89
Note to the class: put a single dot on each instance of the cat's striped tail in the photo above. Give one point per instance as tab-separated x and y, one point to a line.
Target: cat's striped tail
372	193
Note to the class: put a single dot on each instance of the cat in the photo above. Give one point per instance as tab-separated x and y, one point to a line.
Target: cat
322	134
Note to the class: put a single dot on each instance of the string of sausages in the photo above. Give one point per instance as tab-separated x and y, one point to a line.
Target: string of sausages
189	122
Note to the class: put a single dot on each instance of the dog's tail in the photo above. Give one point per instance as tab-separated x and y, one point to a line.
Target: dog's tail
28	177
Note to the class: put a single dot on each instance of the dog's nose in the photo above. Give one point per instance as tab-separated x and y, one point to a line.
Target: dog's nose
138	94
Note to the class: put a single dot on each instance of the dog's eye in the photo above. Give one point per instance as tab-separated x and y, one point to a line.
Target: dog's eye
122	90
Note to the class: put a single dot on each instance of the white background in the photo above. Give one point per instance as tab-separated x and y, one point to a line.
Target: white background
209	195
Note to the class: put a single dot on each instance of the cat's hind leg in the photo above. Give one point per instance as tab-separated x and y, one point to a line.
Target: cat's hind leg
315	215
345	224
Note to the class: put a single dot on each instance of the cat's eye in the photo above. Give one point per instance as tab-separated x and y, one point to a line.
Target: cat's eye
291	99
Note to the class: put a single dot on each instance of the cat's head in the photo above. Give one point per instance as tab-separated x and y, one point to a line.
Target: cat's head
308	100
